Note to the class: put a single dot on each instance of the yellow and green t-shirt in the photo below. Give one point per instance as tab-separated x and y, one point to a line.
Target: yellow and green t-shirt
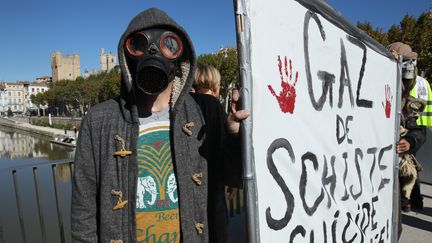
157	212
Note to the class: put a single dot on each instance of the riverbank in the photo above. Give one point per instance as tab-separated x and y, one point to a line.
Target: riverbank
25	126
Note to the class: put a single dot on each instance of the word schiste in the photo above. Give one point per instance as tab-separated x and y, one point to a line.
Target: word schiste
360	223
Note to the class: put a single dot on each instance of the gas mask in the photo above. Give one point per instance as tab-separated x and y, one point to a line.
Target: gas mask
153	55
408	68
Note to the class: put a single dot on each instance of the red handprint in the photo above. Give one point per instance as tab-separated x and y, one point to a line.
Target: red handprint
287	95
389	98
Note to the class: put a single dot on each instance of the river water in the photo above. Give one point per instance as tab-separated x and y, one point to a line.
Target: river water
23	148
35	195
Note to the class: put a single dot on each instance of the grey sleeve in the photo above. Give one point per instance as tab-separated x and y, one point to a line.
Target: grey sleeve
84	208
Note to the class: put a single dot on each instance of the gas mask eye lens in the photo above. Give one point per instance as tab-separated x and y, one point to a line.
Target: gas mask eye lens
171	45
136	44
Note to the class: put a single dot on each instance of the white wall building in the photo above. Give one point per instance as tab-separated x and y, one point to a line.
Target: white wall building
34	89
16	96
3	100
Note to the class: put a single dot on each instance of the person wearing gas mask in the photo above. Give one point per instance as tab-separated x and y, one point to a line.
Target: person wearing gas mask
413	135
151	165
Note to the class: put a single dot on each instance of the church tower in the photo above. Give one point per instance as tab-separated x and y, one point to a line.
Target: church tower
107	61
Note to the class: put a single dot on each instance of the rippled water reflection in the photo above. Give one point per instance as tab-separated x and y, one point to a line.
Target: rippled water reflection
21	148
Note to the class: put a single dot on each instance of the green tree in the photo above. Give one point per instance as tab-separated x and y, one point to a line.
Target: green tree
110	86
72	97
378	34
415	32
394	34
9	112
408	30
38	101
423	43
227	64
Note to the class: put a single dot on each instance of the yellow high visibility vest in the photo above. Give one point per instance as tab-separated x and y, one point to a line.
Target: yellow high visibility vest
423	90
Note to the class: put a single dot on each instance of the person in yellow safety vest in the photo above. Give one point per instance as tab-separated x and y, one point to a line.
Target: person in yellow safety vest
414	135
423	91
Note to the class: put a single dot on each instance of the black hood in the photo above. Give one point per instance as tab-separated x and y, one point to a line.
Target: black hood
155	18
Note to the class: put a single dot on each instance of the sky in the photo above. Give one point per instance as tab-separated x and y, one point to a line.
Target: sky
30	30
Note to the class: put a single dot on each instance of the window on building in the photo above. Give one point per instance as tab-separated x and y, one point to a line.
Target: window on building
43	90
37	90
32	89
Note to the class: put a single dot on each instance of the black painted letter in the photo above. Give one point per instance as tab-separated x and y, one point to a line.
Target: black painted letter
278	224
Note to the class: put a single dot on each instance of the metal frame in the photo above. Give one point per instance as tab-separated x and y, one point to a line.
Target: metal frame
249	178
396	200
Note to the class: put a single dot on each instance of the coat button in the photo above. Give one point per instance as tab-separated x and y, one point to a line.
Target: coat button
120	202
196	177
199	227
116	241
187	128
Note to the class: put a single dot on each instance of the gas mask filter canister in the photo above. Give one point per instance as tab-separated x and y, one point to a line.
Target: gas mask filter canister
154	53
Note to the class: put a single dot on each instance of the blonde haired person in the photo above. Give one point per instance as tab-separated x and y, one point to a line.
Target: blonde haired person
207	80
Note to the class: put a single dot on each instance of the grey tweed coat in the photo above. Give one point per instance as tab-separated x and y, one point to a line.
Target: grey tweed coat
104	182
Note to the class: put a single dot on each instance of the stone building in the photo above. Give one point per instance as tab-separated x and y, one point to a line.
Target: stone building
107	61
65	67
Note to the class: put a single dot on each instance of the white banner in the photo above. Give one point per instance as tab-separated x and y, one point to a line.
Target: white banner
324	123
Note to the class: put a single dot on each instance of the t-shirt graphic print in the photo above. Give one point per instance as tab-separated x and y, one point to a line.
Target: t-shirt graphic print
157	213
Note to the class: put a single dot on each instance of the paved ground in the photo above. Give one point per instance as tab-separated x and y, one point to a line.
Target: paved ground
417	225
19	124
237	230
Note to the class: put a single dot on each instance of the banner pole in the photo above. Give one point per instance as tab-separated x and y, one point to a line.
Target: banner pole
249	178
396	190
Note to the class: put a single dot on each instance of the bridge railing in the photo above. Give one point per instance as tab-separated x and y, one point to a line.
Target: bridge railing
35	202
